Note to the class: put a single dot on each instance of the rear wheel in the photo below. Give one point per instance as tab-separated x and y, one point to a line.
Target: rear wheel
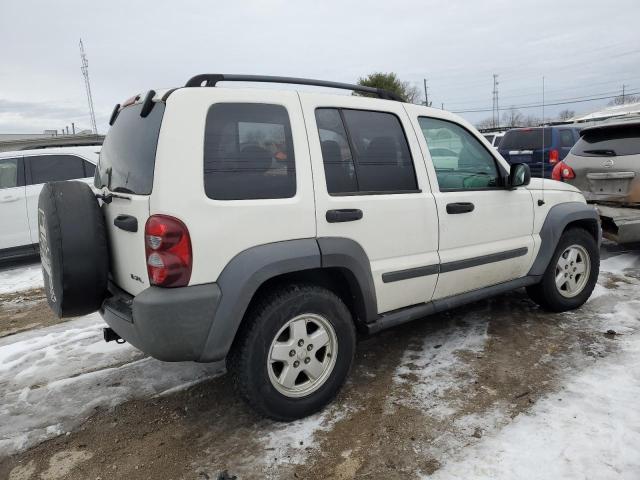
571	275
294	353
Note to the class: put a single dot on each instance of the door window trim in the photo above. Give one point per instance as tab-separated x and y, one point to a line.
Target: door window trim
352	149
502	173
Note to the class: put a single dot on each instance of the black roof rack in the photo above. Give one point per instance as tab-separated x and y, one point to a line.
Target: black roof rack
210	80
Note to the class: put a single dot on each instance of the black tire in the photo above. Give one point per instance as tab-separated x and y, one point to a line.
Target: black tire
73	248
248	361
546	293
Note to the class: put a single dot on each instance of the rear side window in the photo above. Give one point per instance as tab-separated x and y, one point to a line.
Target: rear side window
11	173
609	142
248	152
128	155
566	138
525	139
54	168
364	152
89	169
497	141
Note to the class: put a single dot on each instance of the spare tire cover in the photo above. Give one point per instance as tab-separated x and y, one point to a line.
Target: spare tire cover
73	248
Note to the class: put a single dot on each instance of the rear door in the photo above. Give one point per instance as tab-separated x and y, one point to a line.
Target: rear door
485	229
606	163
126	169
371	186
45	168
13	206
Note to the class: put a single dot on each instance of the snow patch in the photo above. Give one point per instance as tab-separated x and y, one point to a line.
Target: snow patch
53	378
21	278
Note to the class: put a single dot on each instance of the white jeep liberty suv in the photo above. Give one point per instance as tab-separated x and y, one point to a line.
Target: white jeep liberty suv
266	227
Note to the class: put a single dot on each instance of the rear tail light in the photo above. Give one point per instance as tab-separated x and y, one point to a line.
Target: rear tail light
562	172
168	251
554	156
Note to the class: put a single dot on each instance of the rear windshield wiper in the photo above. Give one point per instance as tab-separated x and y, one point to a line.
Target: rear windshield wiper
602	152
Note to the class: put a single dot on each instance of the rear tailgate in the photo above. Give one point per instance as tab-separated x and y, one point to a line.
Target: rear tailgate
126	170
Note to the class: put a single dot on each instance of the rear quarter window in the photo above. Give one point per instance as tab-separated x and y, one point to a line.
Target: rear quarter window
609	142
248	152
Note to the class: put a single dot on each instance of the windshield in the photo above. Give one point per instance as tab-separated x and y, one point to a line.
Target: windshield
526	139
128	155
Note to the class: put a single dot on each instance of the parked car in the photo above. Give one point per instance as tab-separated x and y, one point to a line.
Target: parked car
494	138
525	145
22	175
265	227
605	165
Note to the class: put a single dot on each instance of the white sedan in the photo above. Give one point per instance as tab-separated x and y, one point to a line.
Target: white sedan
22	175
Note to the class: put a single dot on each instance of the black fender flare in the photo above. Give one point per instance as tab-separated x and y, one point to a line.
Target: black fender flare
558	217
247	271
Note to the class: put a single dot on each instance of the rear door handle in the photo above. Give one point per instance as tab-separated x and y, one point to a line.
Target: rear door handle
126	222
460	207
343	215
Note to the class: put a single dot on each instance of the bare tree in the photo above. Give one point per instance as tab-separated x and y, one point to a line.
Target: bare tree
486	123
624	99
512	118
566	114
412	93
531	121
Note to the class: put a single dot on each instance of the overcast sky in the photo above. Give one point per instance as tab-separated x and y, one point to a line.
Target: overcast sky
583	48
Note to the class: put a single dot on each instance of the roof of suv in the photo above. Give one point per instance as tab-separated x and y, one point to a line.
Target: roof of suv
89	152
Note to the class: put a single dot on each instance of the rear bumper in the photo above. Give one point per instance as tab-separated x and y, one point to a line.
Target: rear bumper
170	324
622	225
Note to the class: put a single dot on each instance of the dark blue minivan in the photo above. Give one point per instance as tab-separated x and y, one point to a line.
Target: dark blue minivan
525	145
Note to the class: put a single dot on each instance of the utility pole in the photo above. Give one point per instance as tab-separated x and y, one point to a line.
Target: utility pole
85	73
623	85
426	93
495	108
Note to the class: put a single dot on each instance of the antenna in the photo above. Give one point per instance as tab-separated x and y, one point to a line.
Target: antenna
87	85
541	201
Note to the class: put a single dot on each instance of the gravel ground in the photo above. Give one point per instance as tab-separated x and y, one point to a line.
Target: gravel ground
420	399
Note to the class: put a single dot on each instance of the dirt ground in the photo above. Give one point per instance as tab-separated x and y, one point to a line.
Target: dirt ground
380	426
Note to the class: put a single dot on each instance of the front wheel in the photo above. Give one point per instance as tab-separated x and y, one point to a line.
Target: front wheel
294	353
571	275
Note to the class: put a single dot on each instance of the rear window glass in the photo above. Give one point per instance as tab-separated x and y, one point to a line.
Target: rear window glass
248	152
527	139
128	155
609	142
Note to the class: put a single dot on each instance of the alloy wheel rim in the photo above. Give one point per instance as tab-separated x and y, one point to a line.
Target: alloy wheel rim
572	271
302	355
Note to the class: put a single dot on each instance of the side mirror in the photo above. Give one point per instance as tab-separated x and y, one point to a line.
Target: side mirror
519	175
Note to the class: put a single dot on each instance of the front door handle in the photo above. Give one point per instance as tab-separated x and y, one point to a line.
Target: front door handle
343	215
460	207
126	222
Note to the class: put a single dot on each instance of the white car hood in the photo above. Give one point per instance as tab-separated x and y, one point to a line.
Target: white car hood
537	183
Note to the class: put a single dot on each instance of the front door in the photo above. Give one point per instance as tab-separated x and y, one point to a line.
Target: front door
485	228
13	207
371	186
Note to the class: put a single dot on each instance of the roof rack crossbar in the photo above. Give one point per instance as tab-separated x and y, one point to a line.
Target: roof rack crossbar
210	80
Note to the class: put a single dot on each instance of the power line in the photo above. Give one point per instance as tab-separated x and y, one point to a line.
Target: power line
563	102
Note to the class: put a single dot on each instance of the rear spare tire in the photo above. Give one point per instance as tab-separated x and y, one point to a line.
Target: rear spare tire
73	248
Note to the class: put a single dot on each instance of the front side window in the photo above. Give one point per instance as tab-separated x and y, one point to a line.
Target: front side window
248	152
55	168
460	160
10	176
364	152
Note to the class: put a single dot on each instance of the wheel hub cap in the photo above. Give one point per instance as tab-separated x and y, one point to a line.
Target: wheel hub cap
302	355
572	271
